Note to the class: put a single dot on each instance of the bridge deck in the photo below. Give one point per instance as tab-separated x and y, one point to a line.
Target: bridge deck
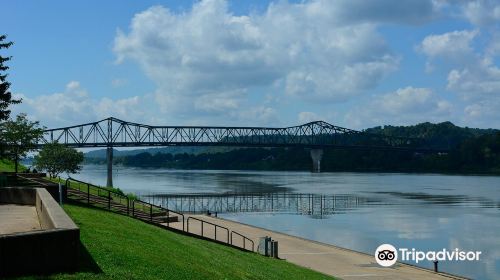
328	259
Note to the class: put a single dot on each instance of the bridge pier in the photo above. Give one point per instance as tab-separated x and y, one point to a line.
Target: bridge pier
316	155
109	159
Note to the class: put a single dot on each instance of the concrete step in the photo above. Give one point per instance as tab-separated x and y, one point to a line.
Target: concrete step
167	219
158	217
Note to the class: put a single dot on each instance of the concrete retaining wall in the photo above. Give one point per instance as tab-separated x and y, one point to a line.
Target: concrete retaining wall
52	249
23	196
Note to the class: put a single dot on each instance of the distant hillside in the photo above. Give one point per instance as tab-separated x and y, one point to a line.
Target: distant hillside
444	134
101	154
472	151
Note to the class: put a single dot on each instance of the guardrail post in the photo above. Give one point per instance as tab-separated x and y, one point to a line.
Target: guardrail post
133	208
151	212
168	218
216	233
109	200
128	203
201	228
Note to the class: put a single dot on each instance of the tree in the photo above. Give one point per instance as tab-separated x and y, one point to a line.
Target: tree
56	158
19	137
5	95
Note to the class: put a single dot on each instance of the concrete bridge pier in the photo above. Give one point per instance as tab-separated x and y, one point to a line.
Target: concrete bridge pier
316	155
109	159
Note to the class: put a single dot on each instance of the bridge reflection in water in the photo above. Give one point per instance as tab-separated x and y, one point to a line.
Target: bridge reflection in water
314	205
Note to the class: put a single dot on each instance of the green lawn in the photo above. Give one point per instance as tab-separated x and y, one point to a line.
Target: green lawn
8	166
119	247
115	198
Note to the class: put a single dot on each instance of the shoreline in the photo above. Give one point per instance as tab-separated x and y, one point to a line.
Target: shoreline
325	258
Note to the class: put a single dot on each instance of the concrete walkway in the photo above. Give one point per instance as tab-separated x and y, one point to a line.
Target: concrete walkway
18	218
328	259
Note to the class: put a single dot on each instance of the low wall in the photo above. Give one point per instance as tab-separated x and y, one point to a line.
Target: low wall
14	180
52	249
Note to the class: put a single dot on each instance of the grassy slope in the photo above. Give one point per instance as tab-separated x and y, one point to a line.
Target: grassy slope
124	248
8	166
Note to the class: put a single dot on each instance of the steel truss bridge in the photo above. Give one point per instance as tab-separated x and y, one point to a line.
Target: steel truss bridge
316	206
112	132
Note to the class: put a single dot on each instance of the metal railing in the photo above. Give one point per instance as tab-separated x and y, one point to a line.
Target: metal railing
145	210
212	224
154	211
31	180
113	198
244	238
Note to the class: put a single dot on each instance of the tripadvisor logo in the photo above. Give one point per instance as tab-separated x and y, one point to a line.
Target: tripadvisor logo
387	255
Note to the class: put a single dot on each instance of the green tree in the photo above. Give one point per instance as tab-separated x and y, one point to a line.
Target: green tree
56	158
5	95
19	137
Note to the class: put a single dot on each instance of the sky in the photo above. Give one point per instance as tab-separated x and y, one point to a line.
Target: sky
352	63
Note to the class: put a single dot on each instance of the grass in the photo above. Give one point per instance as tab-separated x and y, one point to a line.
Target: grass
7	165
119	247
103	193
94	191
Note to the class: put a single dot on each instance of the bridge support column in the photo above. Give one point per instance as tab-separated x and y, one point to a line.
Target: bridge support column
109	158
316	155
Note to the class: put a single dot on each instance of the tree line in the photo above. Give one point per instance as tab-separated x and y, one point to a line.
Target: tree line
473	151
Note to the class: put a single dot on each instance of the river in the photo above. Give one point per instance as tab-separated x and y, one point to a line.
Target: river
358	211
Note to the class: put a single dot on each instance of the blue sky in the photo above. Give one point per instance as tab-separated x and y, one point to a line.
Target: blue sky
352	63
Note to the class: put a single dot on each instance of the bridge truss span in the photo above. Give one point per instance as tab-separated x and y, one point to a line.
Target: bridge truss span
112	132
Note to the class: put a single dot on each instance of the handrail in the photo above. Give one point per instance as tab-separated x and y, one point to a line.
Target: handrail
229	233
215	225
99	187
31	180
244	238
108	196
134	201
161	209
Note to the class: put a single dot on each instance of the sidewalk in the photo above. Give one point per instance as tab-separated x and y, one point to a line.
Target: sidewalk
328	259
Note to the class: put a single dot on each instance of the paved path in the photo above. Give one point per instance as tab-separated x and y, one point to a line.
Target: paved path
328	259
18	218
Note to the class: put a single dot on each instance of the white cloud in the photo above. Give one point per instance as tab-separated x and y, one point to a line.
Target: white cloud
476	81
218	102
404	106
472	73
305	117
315	51
73	85
452	45
74	106
482	12
118	82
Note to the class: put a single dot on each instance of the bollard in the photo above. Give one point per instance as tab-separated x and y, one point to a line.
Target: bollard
60	193
274	249
264	247
435	266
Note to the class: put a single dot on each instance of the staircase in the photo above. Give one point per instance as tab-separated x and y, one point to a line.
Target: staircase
117	202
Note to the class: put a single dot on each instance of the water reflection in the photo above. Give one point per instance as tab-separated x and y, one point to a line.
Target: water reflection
313	205
422	211
441	199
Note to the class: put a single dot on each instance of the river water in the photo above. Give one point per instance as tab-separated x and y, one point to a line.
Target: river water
358	211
